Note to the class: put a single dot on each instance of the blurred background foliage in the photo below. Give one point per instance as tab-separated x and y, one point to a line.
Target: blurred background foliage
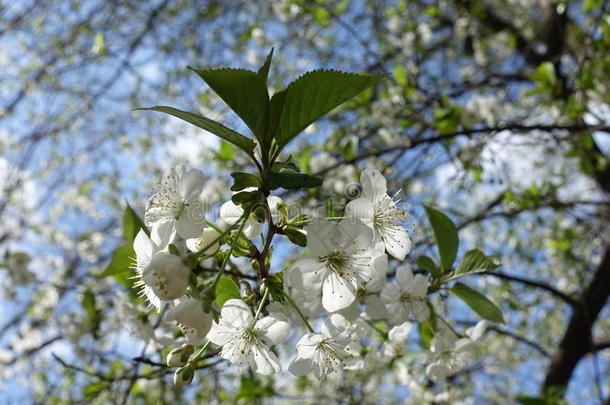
496	111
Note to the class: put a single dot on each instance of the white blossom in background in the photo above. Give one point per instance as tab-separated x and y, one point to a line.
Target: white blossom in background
380	212
244	342
326	351
343	260
448	354
174	205
397	338
230	213
208	236
192	320
407	296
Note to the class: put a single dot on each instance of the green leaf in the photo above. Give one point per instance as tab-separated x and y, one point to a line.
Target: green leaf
132	224
244	180
296	236
446	236
292	180
247	197
121	260
312	96
478	302
474	261
426	263
226	152
216	128
264	70
545	75
244	91
427	329
226	289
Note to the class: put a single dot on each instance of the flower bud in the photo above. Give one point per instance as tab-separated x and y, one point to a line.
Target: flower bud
208	236
179	356
167	276
191	318
183	376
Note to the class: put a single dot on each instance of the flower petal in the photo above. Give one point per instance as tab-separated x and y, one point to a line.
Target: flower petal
374	185
397	242
264	361
236	314
404	277
300	366
188	226
273	330
337	292
361	208
190	185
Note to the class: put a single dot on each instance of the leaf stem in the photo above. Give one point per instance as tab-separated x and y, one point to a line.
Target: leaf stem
260	306
294	305
226	260
200	352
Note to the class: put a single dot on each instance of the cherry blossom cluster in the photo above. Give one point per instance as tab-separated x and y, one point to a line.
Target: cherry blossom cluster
341	284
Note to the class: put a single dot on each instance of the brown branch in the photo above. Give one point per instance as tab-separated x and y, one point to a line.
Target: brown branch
577	340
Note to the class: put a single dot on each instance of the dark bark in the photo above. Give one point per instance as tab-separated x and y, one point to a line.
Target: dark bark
577	340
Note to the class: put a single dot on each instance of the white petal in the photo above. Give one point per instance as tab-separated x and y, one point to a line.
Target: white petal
230	213
163	234
190	185
307	345
374	185
397	242
390	293
272	329
397	313
404	277
419	287
187	226
300	367
236	314
375	308
352	312
252	229
143	247
361	208
319	237
399	333
219	334
273	201
265	361
306	273
334	325
379	280
337	292
420	310
354	235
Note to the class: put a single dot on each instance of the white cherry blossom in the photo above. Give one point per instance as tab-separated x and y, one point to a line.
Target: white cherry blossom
208	236
343	261
379	211
230	213
190	317
167	276
406	296
174	204
244	342
326	351
448	354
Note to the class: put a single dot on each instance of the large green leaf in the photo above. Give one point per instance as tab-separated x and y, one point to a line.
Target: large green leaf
216	128
244	91
132	224
292	180
226	289
474	261
313	95
478	302
121	260
264	70
446	236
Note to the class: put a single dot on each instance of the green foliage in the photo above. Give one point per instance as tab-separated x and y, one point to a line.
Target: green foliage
216	128
292	180
427	329
244	180
263	72
446	236
121	260
296	236
244	91
311	96
478	302
94	318
545	79
474	261
132	224
426	263
226	289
